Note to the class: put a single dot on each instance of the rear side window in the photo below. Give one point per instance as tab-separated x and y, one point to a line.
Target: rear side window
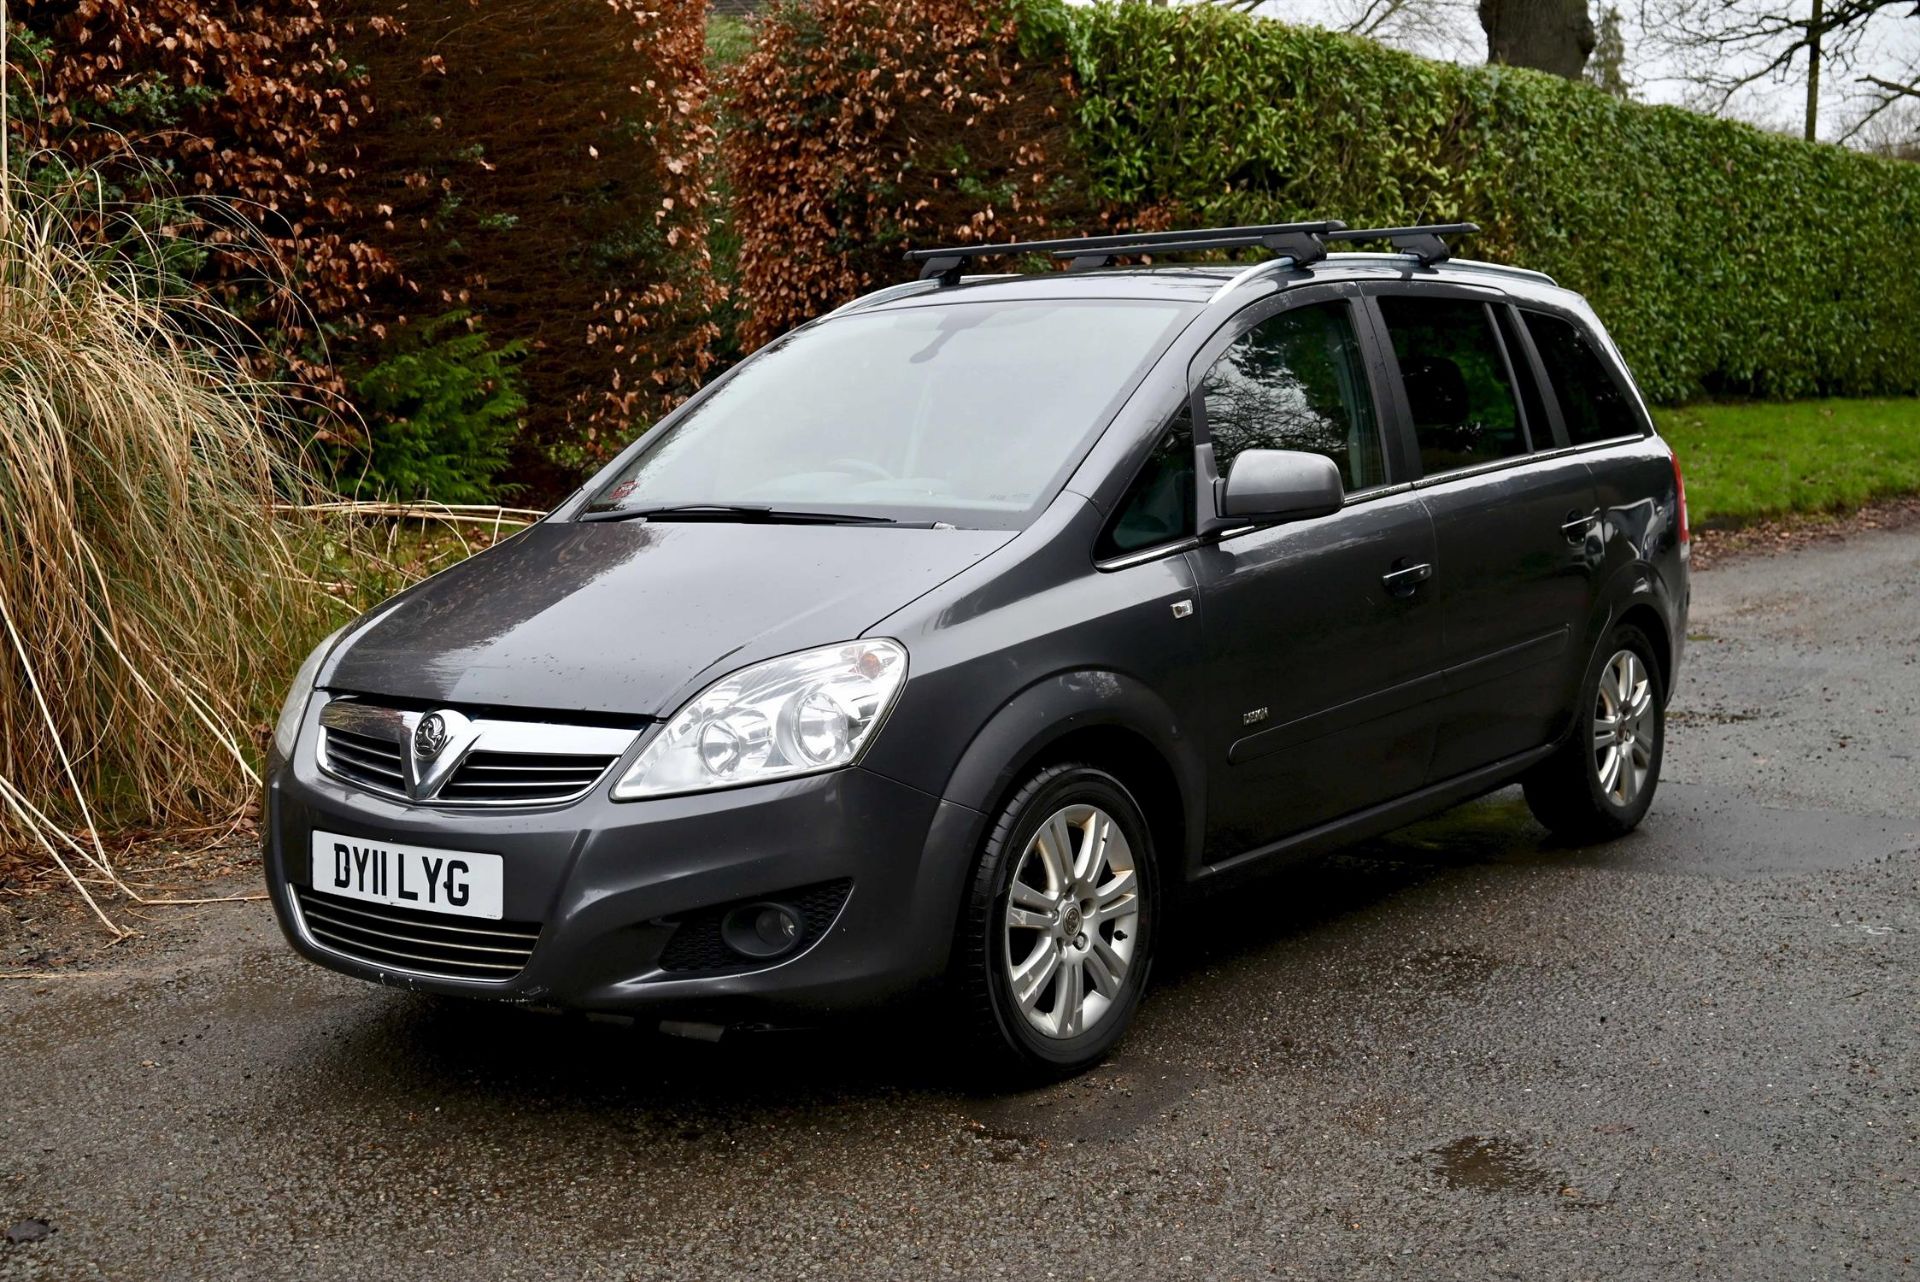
1458	389
1296	381
1539	430
1591	402
1158	508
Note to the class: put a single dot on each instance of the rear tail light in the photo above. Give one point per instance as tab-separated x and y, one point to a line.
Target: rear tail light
1680	488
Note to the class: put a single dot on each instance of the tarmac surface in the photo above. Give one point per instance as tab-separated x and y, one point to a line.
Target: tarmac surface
1457	1052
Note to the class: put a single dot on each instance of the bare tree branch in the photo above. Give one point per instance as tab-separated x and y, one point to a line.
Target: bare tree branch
1376	15
1871	114
1892	129
1726	47
1433	28
1893	87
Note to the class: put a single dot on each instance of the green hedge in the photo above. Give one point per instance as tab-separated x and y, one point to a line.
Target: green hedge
1725	260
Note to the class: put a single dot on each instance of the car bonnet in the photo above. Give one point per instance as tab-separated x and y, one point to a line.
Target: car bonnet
629	619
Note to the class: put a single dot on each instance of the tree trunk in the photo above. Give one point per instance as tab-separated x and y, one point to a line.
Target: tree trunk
1550	35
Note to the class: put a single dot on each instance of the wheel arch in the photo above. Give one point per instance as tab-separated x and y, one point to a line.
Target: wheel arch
1643	615
1110	721
1632	595
1635	596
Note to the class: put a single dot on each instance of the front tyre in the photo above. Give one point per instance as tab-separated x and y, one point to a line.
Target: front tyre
1058	935
1599	784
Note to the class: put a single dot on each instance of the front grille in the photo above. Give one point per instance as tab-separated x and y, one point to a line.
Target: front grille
697	943
405	939
523	776
366	760
470	761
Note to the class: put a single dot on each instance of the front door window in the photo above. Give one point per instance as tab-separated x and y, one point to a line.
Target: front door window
1296	381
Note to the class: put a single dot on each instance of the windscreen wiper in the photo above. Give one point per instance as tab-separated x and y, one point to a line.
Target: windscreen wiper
733	512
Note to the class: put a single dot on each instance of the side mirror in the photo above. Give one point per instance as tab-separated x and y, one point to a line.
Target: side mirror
1267	487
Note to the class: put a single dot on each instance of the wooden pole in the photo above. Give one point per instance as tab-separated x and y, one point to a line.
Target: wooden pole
1815	30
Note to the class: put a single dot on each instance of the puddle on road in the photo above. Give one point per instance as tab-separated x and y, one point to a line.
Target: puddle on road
1493	1165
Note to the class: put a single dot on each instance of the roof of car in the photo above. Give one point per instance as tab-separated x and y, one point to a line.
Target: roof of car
1206	283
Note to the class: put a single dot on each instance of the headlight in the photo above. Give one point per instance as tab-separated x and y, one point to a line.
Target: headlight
294	710
795	715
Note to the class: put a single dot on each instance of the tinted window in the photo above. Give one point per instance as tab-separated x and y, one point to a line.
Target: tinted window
1591	402
1533	409
968	413
1456	379
1158	507
1296	382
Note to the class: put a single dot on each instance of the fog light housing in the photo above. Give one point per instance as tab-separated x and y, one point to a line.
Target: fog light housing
763	931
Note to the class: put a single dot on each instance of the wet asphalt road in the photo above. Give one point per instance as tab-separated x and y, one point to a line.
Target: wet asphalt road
1455	1053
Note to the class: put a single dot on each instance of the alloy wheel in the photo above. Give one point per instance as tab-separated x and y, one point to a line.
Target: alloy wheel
1624	728
1072	917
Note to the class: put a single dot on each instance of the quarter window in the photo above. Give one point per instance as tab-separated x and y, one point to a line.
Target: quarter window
1296	381
1591	401
1458	389
1158	507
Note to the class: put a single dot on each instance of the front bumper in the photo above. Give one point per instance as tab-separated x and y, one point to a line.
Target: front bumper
609	884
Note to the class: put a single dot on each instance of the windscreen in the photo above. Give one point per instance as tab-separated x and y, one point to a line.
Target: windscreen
965	413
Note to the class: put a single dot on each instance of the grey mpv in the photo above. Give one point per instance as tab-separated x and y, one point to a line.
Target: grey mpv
954	639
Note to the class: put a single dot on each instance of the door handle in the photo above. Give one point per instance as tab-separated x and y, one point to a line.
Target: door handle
1575	527
1403	580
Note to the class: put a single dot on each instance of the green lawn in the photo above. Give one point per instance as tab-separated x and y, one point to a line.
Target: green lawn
1760	459
729	39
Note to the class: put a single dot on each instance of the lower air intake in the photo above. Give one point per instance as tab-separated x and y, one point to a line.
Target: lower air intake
425	943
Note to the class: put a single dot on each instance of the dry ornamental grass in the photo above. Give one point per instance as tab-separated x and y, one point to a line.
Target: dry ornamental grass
151	600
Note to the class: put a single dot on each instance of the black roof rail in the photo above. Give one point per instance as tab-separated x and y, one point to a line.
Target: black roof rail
1304	243
1423	242
1299	241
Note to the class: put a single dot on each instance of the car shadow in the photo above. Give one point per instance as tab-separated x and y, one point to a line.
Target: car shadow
1301	898
436	1047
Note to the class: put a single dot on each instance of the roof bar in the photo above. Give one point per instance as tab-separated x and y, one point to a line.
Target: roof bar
1303	243
1424	243
945	263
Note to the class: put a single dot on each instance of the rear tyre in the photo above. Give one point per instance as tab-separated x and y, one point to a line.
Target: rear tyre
1600	782
1057	938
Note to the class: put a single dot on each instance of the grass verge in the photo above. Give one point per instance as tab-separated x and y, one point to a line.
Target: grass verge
1754	461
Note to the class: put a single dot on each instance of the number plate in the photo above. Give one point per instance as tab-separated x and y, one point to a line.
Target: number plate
460	883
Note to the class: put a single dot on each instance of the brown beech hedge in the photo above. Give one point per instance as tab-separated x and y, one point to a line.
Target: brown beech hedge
541	166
